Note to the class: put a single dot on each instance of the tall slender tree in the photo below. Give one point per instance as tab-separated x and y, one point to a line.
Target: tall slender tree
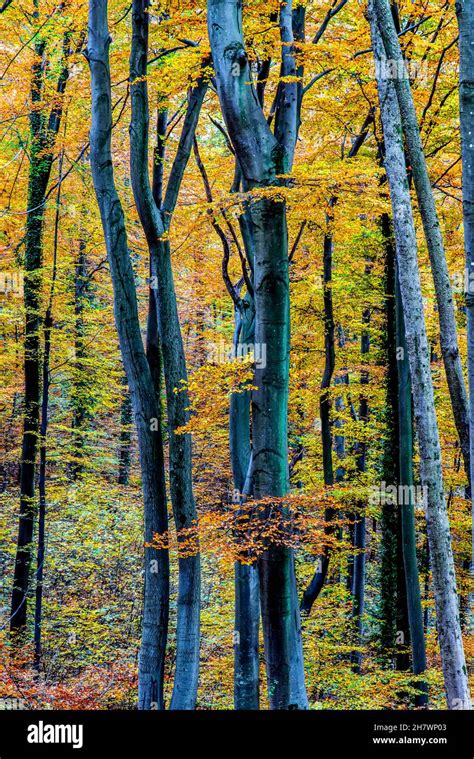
44	129
137	368
156	222
442	563
465	14
46	381
262	156
431	227
406	504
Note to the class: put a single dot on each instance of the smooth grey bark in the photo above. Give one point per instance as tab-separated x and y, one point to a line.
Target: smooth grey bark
437	522
407	509
156	222
261	158
465	14
140	381
432	230
247	594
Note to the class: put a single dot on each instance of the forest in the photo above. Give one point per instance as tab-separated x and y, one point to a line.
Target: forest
237	354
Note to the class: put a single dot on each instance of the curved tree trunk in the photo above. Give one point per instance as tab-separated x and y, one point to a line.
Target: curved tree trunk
261	158
140	381
442	563
156	222
432	230
465	12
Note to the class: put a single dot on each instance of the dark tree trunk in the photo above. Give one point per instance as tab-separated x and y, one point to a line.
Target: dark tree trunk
358	584
246	584
314	588
81	385
43	132
140	380
47	327
247	596
156	222
261	158
48	323
389	560
125	452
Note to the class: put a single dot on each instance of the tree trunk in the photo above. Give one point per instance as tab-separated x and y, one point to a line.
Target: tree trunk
156	222
43	132
140	381
48	324
314	588
432	230
47	327
247	596
358	583
125	452
407	509
246	583
261	158
444	581
317	581
465	13
81	384
389	559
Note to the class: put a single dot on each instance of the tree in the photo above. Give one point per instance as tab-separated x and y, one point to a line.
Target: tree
140	381
464	12
156	222
432	230
262	156
442	564
43	130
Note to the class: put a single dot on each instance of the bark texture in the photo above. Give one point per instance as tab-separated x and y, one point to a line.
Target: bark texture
140	381
439	537
262	156
432	230
465	13
43	133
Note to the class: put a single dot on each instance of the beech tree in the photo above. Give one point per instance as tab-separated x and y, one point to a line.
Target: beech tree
444	579
262	156
234	327
466	61
140	381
